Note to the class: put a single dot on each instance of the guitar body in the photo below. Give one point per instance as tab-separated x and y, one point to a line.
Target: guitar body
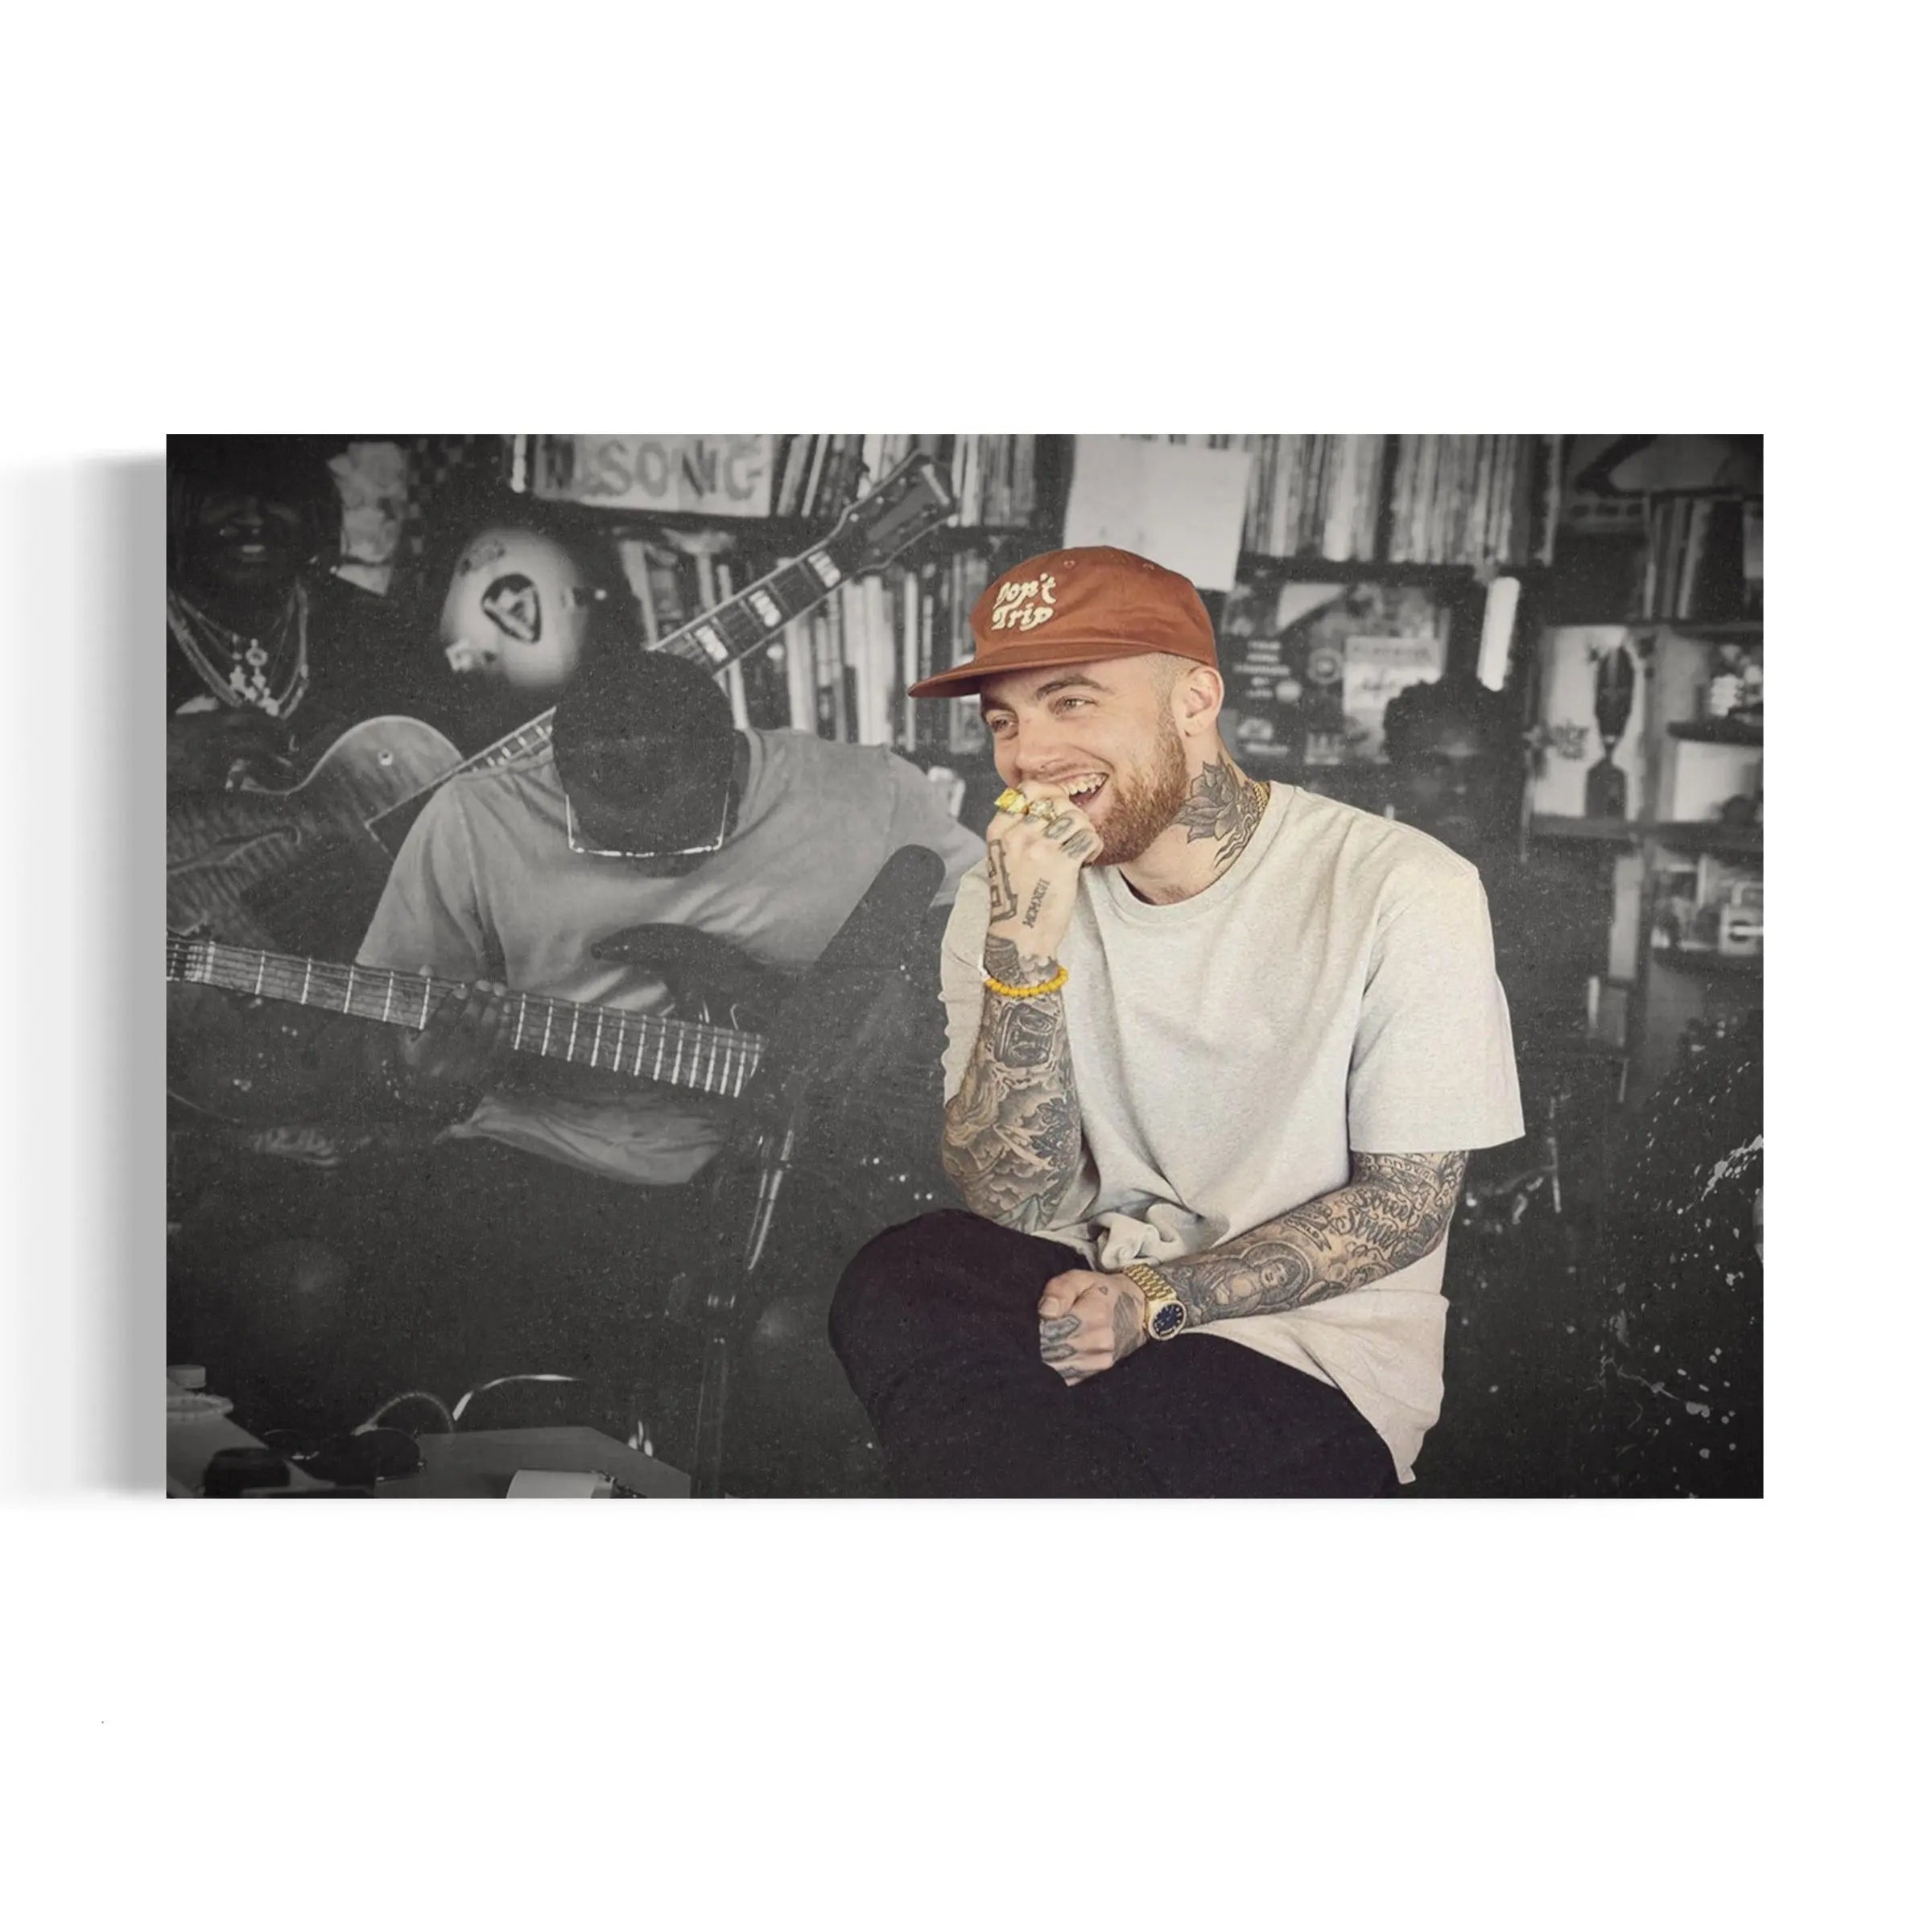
708	978
224	847
296	869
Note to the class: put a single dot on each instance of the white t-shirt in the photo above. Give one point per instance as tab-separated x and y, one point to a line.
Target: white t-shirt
1334	990
487	886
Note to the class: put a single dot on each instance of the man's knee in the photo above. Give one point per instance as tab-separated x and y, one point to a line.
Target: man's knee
889	1270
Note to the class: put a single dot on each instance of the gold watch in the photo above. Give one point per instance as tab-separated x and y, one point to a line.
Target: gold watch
1166	1314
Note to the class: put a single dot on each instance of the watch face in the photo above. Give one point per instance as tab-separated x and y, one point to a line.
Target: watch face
1168	1318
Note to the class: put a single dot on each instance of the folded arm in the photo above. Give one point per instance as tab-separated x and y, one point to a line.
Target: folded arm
1394	1209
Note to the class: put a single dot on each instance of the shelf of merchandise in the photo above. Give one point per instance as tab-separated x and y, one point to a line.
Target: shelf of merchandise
1717	628
1714	834
1671	985
1258	564
1708	835
1691	959
1616	831
1718	731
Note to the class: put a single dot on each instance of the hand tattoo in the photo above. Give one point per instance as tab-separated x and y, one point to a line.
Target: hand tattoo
1033	904
1056	1343
999	882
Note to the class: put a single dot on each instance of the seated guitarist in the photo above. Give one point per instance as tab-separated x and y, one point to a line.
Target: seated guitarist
649	809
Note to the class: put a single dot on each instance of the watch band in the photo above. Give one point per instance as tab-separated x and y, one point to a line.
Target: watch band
1166	1314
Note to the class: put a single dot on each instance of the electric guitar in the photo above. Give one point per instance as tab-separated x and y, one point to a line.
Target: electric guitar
301	869
715	1038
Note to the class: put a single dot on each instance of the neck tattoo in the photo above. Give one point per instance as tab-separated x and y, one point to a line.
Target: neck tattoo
1225	805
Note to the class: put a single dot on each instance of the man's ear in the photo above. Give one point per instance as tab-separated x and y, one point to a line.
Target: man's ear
1197	699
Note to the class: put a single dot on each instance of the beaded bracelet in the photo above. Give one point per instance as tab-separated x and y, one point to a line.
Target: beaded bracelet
1028	993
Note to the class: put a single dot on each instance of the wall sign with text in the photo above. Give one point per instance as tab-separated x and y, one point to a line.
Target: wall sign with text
706	476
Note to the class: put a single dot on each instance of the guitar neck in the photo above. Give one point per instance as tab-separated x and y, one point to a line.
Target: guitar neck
640	1046
722	636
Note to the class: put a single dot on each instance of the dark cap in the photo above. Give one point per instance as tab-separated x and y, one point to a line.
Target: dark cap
1071	606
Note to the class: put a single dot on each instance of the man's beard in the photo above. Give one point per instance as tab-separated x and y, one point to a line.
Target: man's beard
1145	805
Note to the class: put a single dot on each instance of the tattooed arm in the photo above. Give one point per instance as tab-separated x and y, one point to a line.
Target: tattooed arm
1011	1142
1394	1209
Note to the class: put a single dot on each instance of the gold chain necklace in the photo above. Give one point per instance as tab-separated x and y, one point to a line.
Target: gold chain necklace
239	669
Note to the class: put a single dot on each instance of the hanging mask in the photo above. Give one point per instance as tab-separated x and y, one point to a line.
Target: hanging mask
518	612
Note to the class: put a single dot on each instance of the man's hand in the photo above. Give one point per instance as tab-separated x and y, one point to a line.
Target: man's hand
222	750
455	1055
1089	1322
1032	868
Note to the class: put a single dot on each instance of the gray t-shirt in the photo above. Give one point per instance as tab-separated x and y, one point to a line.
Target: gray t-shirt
1334	990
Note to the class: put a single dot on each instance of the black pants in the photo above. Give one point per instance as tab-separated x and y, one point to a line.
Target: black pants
937	1325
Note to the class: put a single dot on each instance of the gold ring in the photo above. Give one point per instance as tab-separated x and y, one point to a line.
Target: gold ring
1013	803
1041	808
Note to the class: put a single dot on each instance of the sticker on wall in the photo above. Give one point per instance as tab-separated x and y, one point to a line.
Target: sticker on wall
511	603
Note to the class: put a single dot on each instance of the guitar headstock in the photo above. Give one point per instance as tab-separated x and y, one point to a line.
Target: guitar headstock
914	498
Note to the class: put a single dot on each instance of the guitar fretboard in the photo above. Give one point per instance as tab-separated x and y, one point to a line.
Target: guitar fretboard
641	1046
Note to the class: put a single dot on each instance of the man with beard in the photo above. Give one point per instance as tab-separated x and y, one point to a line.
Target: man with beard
1217	1052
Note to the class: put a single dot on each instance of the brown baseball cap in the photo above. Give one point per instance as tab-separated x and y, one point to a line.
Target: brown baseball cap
1070	606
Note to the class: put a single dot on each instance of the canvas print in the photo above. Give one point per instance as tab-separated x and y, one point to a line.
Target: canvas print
958	965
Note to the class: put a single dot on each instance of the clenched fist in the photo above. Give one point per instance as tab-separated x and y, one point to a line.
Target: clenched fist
1089	1322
